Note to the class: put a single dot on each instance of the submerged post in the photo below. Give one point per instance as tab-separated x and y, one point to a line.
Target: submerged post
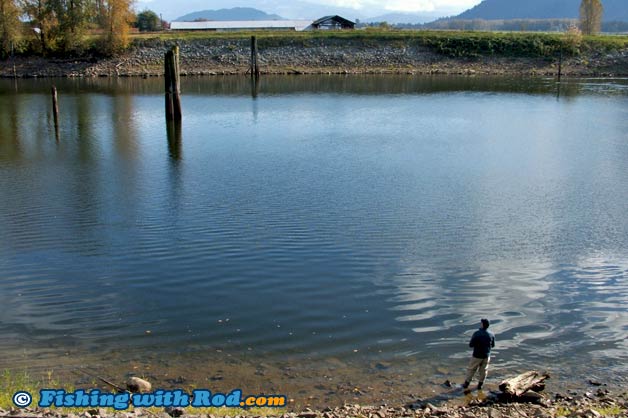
254	63
55	110
172	84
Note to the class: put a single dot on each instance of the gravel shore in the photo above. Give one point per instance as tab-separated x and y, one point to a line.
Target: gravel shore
598	402
310	56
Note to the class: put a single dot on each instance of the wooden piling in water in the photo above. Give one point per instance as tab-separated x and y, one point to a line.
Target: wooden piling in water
173	84
254	63
173	130
55	110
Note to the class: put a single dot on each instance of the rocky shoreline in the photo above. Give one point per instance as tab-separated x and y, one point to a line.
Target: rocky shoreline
218	56
600	402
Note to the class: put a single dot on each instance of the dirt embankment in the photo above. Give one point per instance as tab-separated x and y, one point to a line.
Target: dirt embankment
311	56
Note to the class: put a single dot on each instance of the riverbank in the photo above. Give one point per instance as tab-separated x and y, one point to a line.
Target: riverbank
283	54
600	401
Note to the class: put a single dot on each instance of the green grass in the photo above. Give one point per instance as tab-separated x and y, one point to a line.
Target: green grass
607	411
12	382
448	43
610	411
561	411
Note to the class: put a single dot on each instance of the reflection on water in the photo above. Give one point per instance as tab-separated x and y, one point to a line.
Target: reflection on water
331	221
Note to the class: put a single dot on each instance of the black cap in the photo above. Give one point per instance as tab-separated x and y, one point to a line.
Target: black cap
485	323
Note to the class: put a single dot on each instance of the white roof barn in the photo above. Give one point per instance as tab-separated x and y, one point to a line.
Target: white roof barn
216	25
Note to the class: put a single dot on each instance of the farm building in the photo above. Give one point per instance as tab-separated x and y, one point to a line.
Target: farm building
220	26
333	23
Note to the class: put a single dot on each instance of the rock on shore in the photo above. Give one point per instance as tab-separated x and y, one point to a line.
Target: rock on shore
213	56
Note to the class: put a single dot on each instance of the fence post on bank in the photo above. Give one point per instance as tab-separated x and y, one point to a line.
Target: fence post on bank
55	110
173	85
254	63
560	64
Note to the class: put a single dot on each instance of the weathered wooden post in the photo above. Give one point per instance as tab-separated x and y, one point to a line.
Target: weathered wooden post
13	60
172	84
168	86
254	63
55	110
177	84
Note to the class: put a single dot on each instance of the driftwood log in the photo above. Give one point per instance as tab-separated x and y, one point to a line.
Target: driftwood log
519	385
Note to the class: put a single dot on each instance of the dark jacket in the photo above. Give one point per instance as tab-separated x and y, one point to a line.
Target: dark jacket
482	341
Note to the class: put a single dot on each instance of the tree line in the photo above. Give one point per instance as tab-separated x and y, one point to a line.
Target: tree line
589	22
69	27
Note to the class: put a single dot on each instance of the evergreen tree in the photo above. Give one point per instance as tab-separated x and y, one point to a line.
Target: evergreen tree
148	21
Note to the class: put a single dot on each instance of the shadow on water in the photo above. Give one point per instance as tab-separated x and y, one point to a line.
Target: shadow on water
255	82
327	84
10	137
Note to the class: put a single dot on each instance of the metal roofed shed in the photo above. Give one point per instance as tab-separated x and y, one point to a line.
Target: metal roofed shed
216	25
333	23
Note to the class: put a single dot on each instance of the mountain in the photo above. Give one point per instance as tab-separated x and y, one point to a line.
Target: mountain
614	10
237	13
289	9
396	18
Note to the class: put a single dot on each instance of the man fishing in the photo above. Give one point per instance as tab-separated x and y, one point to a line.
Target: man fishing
482	341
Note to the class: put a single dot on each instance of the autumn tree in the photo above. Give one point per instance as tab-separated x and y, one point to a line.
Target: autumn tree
591	16
117	19
73	17
9	26
43	21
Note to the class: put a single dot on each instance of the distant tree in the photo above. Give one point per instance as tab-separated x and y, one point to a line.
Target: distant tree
117	18
591	16
148	21
9	26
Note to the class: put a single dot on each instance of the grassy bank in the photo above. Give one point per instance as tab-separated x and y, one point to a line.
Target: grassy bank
373	51
448	43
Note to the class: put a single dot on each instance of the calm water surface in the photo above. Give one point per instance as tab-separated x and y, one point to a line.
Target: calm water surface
316	220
